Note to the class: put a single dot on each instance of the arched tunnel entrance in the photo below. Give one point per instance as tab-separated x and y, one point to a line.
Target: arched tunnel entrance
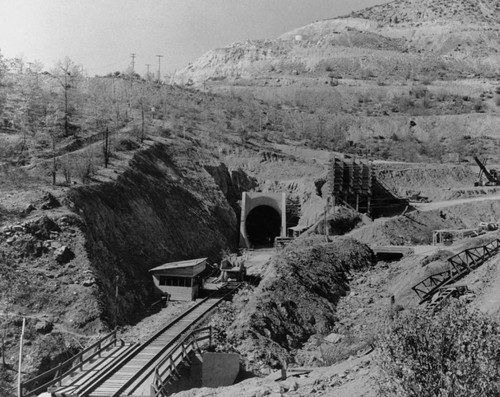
263	224
263	218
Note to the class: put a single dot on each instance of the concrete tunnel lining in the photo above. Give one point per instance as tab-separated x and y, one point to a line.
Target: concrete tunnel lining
272	205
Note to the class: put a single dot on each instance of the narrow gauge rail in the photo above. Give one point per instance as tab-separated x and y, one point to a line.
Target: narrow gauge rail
132	373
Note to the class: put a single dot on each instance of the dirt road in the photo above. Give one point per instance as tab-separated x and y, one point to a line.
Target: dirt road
257	259
443	204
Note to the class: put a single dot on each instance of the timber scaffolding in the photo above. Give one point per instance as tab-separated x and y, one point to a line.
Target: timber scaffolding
460	265
353	182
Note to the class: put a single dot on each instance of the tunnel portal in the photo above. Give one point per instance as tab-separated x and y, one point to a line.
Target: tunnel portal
263	217
263	225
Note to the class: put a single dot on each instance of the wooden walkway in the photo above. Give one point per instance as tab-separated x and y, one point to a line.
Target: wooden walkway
136	375
129	370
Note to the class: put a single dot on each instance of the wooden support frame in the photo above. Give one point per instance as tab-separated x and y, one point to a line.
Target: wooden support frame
460	265
167	367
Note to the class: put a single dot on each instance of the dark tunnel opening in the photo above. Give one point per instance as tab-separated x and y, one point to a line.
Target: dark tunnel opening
263	224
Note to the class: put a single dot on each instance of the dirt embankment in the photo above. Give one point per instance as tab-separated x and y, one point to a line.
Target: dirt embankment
436	181
165	207
415	228
296	297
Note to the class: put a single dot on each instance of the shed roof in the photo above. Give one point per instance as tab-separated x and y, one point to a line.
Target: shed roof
180	264
298	228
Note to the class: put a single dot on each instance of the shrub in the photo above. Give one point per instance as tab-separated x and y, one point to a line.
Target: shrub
6	380
455	353
478	105
220	322
497	100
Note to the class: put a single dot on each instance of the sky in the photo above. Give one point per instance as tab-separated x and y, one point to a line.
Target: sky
101	35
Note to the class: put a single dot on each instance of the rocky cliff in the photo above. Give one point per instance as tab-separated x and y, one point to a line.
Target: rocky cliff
166	206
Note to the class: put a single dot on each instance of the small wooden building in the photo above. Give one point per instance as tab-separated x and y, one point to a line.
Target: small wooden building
179	280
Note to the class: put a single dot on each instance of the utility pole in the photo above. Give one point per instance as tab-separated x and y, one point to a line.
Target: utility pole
133	62
117	279
19	371
159	61
147	73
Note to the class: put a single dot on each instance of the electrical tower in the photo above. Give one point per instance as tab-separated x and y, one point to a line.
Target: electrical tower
159	61
133	62
147	73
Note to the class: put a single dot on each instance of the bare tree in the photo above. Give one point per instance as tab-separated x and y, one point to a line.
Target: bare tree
68	74
17	64
100	94
143	94
50	130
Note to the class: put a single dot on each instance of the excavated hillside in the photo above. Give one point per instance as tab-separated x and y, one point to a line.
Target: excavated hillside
414	11
75	260
166	206
406	80
460	36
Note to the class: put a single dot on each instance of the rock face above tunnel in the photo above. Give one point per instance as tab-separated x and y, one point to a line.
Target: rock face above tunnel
232	183
164	207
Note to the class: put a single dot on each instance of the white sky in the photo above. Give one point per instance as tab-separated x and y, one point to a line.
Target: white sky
101	34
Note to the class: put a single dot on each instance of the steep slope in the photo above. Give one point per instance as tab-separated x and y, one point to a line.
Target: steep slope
77	264
165	207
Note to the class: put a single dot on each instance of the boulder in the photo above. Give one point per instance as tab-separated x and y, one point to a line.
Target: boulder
42	227
18	228
89	282
44	327
334	338
49	201
29	209
63	255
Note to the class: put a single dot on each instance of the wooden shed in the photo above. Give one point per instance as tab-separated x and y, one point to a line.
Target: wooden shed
179	280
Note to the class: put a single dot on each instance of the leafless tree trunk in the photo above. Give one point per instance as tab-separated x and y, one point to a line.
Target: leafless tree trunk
66	88
54	163
106	148
142	129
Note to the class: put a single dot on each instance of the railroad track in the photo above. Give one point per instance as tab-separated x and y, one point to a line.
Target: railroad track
131	371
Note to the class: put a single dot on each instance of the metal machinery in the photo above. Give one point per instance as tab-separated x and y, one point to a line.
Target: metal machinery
492	176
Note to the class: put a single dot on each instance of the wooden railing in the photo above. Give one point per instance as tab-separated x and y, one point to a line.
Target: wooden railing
109	369
167	367
459	265
63	369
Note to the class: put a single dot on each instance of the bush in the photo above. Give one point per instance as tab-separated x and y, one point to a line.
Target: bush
455	353
6	381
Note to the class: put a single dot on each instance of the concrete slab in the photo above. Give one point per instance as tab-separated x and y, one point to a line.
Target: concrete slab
220	369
